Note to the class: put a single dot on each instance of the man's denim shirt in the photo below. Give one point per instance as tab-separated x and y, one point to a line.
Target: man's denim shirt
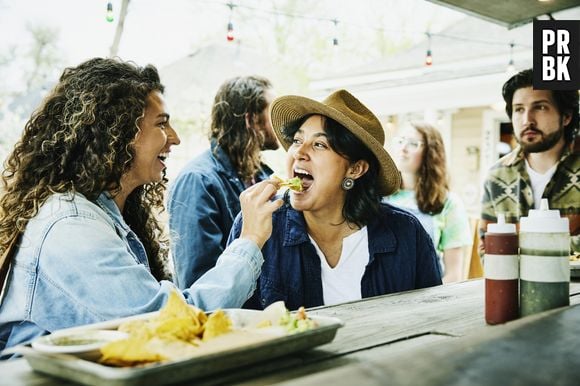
402	257
79	262
203	202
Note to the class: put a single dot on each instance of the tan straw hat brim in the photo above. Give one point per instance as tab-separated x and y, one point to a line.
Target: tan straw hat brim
291	108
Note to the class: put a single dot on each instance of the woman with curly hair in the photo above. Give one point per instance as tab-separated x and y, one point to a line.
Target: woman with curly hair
81	191
425	192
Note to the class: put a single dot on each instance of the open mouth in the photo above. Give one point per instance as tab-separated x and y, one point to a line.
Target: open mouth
305	178
162	157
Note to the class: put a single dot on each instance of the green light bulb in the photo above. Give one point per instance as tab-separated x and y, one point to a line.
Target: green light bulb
110	16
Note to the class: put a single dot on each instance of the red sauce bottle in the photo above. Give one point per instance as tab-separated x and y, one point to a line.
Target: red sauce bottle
501	267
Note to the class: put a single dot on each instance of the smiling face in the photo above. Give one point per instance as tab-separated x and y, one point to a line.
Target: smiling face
319	167
409	151
538	125
152	144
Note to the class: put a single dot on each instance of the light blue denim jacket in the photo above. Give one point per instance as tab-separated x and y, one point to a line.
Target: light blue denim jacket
79	262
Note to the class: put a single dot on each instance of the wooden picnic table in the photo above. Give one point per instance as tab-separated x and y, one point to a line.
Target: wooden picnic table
433	336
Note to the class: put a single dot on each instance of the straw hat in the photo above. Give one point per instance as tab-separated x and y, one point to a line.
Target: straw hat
345	109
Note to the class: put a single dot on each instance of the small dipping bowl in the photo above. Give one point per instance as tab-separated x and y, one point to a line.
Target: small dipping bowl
83	344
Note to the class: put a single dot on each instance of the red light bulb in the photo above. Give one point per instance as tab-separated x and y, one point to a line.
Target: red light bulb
428	58
230	34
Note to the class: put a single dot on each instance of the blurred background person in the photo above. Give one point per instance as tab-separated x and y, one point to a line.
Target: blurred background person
420	156
204	198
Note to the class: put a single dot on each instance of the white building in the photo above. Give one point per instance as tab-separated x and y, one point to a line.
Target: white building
460	93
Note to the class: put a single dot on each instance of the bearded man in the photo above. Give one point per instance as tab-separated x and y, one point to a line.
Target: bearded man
546	162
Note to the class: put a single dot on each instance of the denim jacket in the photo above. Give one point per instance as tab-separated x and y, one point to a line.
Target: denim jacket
402	257
203	202
78	262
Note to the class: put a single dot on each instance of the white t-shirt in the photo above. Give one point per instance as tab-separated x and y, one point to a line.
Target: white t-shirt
539	182
343	282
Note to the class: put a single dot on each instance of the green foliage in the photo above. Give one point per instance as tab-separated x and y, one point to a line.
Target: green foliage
42	56
39	63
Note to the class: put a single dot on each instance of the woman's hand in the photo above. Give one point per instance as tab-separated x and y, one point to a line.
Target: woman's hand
257	211
453	259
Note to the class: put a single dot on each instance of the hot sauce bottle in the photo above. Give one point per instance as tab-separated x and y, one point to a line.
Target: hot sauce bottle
501	269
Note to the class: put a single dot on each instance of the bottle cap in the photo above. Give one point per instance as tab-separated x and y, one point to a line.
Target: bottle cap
544	220
501	226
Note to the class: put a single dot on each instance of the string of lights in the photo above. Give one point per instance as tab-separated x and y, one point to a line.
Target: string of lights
429	55
230	35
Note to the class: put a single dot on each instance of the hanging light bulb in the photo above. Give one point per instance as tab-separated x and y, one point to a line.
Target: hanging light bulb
511	68
109	15
335	39
230	34
429	56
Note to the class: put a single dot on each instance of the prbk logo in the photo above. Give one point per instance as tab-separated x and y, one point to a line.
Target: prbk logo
557	54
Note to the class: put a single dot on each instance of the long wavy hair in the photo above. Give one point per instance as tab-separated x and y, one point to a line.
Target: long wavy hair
432	182
236	98
362	203
80	140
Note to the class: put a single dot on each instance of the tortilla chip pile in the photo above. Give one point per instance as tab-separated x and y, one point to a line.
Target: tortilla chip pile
175	333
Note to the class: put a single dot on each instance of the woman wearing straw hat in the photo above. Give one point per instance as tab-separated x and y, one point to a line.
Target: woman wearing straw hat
334	241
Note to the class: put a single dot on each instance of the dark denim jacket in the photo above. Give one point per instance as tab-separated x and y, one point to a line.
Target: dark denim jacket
402	257
203	202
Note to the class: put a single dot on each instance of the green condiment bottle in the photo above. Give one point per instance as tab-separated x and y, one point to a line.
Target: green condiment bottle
544	240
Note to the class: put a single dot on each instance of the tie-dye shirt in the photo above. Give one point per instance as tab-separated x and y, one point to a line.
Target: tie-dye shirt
448	229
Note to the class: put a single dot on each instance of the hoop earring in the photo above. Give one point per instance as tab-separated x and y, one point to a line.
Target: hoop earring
347	183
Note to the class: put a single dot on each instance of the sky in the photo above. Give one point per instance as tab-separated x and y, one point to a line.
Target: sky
160	32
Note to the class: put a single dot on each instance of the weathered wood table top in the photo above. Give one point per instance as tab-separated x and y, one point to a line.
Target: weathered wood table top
433	336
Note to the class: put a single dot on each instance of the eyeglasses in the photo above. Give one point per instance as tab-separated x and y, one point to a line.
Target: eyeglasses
410	143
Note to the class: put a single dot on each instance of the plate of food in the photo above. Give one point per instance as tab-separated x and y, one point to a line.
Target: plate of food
181	342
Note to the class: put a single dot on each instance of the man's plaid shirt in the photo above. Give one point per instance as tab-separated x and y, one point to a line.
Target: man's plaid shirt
508	190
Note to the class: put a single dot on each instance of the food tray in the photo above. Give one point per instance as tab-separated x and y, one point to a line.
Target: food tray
86	372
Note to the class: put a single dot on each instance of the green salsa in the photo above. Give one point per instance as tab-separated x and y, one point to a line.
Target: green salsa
74	341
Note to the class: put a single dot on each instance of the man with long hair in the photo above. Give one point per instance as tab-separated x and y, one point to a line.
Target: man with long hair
203	200
546	162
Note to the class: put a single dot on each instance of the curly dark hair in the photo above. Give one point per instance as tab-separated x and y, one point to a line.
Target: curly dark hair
362	202
566	101
235	98
80	140
432	182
